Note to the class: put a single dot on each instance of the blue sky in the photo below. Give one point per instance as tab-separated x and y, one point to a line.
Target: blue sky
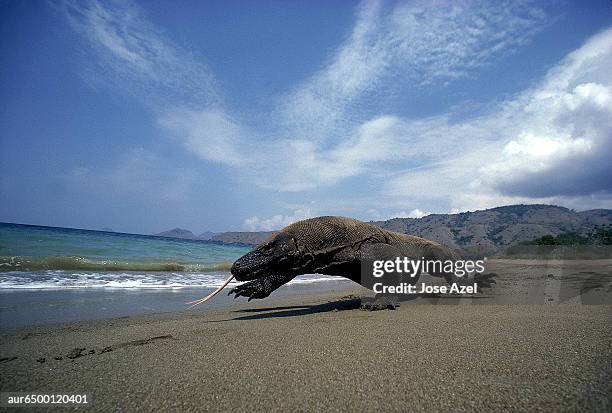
221	115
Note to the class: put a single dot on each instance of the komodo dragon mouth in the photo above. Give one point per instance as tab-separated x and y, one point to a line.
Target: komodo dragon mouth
272	256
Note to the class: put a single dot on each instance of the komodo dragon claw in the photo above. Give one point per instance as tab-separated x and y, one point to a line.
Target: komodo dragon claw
252	289
260	287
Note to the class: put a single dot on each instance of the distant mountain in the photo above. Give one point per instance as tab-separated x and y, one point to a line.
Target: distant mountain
491	231
478	233
206	235
177	233
186	234
252	238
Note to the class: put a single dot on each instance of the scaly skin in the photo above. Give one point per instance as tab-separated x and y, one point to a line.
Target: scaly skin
333	246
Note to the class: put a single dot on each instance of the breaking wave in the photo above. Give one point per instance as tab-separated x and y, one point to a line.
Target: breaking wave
87	264
61	279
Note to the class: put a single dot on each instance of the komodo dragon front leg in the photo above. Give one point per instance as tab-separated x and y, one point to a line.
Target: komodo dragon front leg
261	287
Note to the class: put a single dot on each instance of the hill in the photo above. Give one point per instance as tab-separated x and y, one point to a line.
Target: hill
478	233
177	233
206	235
251	238
491	231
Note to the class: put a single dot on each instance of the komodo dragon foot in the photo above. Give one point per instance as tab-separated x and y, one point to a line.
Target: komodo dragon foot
259	288
481	280
485	280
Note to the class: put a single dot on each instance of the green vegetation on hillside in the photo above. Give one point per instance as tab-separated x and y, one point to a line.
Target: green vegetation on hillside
598	236
464	240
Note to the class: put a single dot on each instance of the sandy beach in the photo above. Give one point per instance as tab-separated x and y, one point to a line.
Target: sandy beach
331	206
320	352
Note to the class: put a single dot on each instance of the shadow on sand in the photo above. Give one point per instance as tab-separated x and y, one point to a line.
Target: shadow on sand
299	310
338	305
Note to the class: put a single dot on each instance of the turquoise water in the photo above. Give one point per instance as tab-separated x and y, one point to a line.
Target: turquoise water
48	257
50	275
34	248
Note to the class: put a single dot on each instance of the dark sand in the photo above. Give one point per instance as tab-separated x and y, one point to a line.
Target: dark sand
319	352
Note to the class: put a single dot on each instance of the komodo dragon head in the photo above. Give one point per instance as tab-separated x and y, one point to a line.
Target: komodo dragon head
302	247
280	254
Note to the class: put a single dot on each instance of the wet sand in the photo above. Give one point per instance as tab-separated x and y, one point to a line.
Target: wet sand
318	351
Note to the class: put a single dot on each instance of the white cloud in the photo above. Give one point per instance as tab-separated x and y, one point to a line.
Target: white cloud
300	164
421	42
412	42
544	148
276	222
415	213
322	138
551	142
562	143
210	134
130	52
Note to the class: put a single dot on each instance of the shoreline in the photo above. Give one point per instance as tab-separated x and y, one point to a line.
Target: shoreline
524	281
23	308
320	351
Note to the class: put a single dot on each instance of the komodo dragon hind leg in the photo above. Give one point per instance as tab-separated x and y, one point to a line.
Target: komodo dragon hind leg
485	280
482	280
380	251
261	287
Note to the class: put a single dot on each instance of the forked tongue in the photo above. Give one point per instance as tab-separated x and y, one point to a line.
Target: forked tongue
211	295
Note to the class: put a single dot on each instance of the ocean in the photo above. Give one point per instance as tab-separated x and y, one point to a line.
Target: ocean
50	274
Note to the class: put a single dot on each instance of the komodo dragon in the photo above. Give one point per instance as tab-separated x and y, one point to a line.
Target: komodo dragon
335	246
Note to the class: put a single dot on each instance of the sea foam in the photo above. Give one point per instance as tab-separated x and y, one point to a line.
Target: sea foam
59	279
